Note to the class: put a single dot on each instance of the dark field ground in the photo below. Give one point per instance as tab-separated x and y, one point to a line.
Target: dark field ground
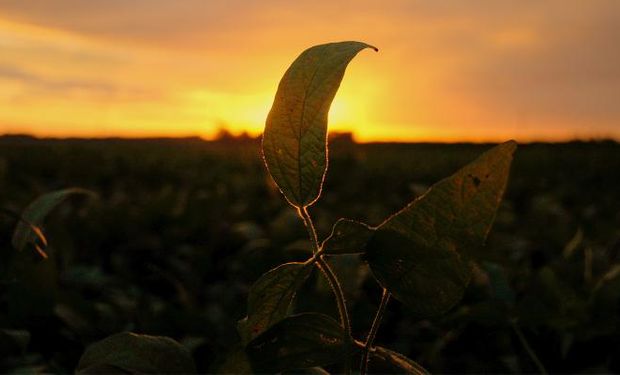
182	228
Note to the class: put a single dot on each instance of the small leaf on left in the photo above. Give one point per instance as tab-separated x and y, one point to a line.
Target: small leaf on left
270	297
28	228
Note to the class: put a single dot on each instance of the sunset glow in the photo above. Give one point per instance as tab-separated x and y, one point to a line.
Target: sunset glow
445	71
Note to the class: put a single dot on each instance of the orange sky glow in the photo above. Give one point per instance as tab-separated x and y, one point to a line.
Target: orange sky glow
445	71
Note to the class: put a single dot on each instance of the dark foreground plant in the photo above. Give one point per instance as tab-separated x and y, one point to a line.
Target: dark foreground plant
421	256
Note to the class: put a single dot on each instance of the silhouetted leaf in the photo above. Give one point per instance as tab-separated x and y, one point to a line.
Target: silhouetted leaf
28	228
299	341
270	297
422	253
135	353
385	361
347	237
295	138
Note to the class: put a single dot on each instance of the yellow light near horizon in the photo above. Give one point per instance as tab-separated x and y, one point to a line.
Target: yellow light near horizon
236	113
356	102
341	113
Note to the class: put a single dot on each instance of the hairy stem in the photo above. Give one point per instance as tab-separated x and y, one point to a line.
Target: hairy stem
385	298
305	216
332	280
528	349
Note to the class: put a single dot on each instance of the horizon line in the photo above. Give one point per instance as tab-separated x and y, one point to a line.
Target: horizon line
333	137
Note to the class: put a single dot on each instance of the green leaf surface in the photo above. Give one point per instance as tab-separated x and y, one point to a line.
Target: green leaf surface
295	137
270	297
385	361
135	353
422	253
27	230
299	341
347	237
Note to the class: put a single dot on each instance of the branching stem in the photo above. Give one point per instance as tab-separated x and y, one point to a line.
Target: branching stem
332	279
385	298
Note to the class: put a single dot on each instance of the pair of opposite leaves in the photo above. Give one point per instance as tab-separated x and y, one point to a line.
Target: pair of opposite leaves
422	254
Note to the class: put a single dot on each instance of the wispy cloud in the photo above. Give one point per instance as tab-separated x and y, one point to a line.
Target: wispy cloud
56	86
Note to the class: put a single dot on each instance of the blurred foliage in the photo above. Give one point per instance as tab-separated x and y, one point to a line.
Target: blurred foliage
182	228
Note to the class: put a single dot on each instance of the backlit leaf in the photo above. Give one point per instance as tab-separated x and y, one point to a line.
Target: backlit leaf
135	353
299	341
422	253
270	297
28	228
347	237
295	138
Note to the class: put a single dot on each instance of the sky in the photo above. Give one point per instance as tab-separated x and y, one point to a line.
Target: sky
447	70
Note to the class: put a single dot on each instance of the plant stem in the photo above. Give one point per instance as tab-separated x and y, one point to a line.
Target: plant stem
333	282
528	349
327	272
385	298
332	279
305	216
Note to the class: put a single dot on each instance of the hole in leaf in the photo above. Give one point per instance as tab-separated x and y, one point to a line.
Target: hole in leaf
475	180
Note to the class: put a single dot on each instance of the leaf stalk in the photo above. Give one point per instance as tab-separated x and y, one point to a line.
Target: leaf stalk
385	298
332	280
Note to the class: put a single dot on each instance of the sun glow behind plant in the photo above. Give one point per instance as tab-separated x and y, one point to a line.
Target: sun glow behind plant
448	72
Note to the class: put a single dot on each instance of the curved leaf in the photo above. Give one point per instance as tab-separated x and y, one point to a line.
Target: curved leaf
422	253
385	361
347	237
270	297
28	228
299	341
135	353
295	138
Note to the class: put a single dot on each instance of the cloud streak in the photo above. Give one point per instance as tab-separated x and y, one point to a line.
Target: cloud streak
30	79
